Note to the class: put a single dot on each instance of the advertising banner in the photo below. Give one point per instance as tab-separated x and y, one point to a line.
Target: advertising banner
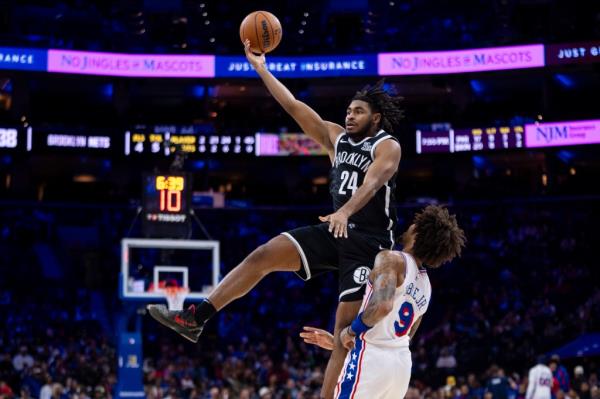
459	61
562	133
131	65
573	53
300	67
23	59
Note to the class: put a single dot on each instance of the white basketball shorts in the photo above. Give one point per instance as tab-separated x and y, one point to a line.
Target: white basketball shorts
374	372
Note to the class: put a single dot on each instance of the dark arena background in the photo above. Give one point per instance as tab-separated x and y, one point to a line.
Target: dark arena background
140	152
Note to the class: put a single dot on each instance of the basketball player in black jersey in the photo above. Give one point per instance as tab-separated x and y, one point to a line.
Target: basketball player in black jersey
365	159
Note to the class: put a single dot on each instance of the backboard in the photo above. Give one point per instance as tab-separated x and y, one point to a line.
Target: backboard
148	266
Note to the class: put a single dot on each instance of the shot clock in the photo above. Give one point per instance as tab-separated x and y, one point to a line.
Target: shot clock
166	203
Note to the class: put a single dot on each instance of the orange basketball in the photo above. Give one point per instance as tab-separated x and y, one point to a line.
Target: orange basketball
262	29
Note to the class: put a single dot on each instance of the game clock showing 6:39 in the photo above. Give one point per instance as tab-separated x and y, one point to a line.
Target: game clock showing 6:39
166	211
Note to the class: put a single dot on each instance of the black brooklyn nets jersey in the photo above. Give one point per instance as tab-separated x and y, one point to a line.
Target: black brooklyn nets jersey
350	165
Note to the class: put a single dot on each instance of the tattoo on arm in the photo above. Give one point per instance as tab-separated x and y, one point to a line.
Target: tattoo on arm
384	288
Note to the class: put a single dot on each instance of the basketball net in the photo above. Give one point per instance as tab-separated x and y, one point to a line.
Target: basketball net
175	297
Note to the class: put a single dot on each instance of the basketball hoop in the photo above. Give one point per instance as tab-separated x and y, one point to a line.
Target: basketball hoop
175	297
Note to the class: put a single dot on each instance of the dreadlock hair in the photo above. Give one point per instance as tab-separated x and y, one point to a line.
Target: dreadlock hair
438	237
382	102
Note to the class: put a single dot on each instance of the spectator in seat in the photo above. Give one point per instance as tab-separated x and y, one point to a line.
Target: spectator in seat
560	373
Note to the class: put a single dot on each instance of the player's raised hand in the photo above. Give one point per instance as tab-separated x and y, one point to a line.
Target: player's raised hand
338	223
316	336
255	60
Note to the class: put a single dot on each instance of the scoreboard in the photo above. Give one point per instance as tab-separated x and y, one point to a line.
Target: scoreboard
166	140
287	144
73	140
466	140
56	140
15	139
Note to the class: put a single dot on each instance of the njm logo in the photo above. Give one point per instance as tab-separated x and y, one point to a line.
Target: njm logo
551	133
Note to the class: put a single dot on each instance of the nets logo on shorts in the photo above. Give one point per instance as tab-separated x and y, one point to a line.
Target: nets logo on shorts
361	275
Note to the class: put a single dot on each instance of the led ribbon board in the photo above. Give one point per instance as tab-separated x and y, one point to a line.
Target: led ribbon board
562	133
301	67
25	59
131	65
461	61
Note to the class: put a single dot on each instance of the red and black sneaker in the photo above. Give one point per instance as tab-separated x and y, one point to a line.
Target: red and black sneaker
182	322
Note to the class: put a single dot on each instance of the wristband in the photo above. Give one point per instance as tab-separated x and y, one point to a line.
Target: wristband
358	326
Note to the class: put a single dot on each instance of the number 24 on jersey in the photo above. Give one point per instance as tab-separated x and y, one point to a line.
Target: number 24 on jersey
349	182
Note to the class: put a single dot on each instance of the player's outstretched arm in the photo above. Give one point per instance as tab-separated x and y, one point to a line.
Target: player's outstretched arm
311	123
318	337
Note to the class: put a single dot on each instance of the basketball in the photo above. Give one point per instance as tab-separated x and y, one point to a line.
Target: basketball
263	29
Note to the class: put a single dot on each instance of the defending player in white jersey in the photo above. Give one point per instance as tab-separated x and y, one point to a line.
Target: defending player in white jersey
539	383
398	293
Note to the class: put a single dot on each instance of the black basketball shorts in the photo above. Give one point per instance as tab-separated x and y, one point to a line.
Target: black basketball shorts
353	257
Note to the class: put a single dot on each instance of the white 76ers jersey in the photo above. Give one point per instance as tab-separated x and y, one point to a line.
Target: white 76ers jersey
379	365
540	383
410	302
